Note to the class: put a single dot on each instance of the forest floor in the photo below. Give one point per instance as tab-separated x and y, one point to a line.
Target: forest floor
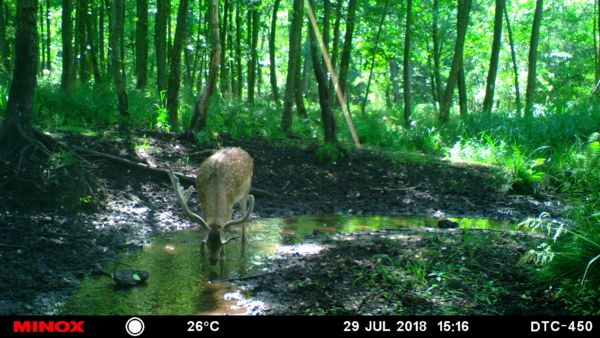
46	250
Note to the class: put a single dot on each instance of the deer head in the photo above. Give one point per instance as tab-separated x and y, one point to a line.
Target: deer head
223	180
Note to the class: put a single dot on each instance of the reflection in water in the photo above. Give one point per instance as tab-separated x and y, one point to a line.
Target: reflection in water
180	276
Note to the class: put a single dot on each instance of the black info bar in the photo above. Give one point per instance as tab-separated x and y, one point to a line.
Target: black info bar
331	326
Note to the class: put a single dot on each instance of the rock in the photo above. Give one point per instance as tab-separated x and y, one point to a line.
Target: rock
130	277
447	224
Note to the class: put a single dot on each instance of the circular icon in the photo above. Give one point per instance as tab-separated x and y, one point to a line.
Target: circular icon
134	326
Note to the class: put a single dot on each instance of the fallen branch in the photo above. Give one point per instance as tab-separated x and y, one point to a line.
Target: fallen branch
202	152
397	189
134	164
143	166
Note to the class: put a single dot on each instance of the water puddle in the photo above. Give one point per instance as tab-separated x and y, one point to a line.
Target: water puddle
182	281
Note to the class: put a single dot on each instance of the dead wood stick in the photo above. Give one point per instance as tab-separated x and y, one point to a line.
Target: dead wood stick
134	164
397	189
143	166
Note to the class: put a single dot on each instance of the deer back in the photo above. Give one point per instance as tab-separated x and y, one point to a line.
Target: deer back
223	179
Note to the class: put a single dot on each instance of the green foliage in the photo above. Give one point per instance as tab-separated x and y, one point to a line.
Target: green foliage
328	153
578	300
162	115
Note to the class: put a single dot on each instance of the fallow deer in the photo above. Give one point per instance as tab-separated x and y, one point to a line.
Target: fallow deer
223	180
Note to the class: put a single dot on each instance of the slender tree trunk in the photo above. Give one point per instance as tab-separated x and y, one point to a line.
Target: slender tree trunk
42	46
462	91
381	21
118	7
464	7
17	126
91	34
101	52
326	19
436	51
48	37
299	87
513	55
597	35
294	50
66	82
327	117
84	68
490	86
224	44
434	97
201	106
169	42
238	50
160	44
336	42
406	65
533	47
394	74
4	52
272	65
253	62
141	44
197	50
175	65
345	57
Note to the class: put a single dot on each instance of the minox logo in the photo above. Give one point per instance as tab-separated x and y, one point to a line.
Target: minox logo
51	326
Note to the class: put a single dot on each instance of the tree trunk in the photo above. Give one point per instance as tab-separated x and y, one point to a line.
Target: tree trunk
294	50
345	57
433	83
490	86
141	44
101	53
514	63
299	85
595	36
327	117
336	42
197	50
66	82
117	9
175	65
224	44
82	41
91	34
436	51
253	62
364	102
201	106
42	46
406	65
48	37
394	74
464	7
238	50
4	52
462	91
17	126
272	65
533	46
160	44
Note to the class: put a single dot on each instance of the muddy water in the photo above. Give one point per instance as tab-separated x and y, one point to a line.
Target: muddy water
183	282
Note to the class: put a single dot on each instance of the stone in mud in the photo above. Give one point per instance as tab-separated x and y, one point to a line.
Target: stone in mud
447	224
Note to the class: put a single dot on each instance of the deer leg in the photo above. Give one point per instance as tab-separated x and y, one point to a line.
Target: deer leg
244	206
203	243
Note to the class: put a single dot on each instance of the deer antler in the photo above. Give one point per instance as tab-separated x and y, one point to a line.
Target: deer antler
246	216
183	195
